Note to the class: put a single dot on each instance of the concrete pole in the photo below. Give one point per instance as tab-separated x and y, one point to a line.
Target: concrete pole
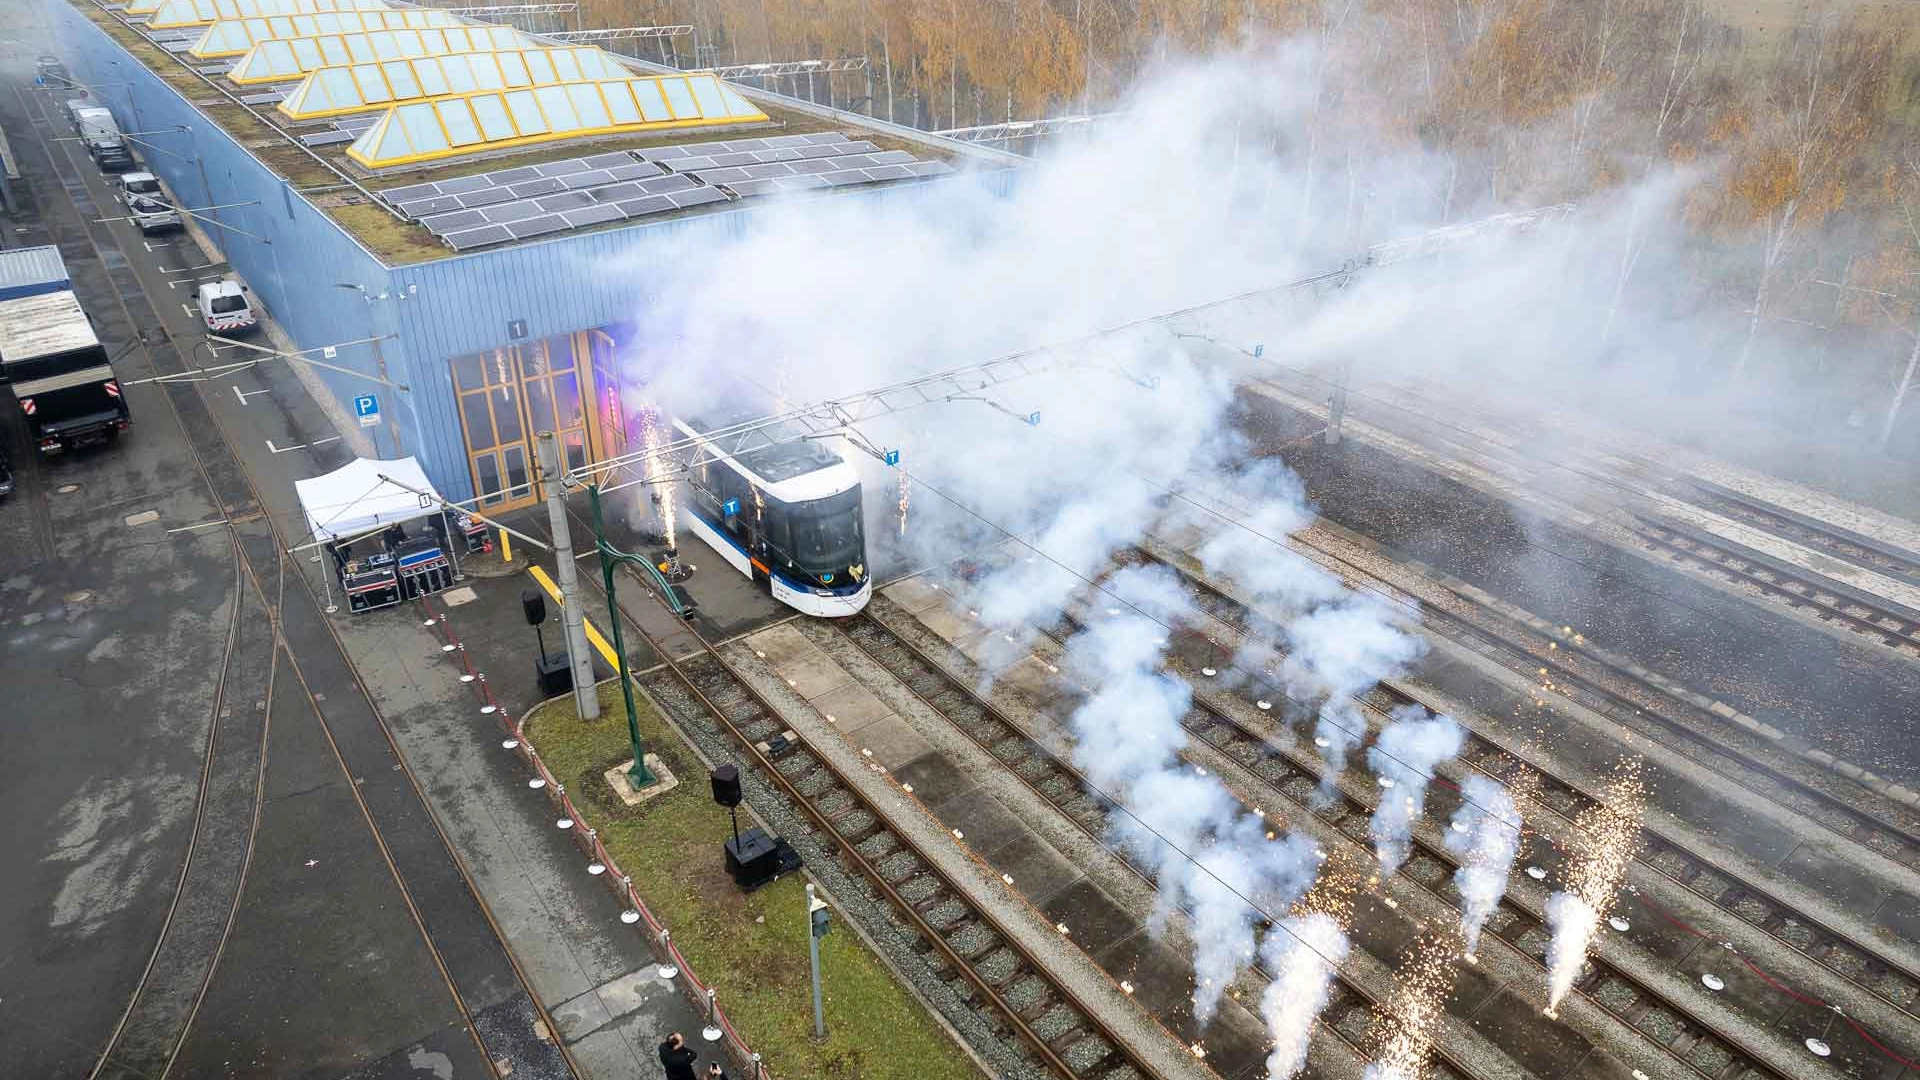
813	955
572	608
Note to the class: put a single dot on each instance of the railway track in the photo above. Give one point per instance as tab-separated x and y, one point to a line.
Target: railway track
983	962
1840	954
1293	779
1829	601
1828	539
1634	703
1350	1009
965	942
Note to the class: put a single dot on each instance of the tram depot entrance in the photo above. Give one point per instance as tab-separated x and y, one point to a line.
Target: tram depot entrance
508	394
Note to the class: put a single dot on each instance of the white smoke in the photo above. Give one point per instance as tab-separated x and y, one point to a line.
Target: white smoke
1336	651
1211	857
1485	833
1573	923
1300	954
1403	758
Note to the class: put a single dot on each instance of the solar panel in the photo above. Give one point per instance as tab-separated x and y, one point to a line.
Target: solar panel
473	238
561	168
845	177
509	177
801	183
663	185
652	204
327	138
749	188
486	197
699	196
929	168
892	157
454	222
633	170
260	99
735	158
823	151
818	137
593	215
456	185
590	178
516	211
566	200
724	176
608	161
543	185
419	208
540	226
691	162
888	172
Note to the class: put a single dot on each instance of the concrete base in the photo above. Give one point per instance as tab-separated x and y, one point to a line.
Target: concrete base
617	779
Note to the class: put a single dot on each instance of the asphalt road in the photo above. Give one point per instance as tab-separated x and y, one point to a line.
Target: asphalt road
227	869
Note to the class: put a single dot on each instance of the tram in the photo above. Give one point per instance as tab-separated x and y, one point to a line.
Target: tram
780	508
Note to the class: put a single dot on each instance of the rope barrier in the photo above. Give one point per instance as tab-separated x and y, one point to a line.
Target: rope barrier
697	992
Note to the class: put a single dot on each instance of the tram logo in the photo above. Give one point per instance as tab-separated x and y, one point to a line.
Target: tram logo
857	571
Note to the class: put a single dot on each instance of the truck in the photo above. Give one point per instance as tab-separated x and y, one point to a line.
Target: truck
59	372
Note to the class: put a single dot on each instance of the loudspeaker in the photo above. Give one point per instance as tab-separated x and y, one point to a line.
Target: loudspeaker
533	603
556	675
756	858
726	785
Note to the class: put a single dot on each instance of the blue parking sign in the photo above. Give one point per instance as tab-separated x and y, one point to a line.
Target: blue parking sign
367	408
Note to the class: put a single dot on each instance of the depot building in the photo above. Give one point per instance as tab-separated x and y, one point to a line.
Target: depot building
438	198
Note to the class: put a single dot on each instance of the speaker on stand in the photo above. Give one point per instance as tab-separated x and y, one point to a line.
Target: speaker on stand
551	669
753	857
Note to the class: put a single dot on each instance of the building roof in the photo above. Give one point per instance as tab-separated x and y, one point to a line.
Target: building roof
352	88
30	271
177	13
275	60
421	147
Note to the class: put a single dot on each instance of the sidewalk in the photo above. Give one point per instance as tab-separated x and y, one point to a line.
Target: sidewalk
596	976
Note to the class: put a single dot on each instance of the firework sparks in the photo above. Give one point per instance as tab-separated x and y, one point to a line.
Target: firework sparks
656	468
1610	831
1409	1018
1302	953
904	499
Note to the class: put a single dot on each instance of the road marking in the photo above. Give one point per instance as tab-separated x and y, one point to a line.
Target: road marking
288	449
192	269
177	282
593	636
188	308
243	395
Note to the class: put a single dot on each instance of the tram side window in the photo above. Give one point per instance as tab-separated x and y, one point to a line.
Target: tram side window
775	529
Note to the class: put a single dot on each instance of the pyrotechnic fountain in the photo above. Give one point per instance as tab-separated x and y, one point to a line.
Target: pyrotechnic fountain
1610	836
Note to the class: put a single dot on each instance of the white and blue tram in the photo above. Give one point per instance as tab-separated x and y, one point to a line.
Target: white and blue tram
783	510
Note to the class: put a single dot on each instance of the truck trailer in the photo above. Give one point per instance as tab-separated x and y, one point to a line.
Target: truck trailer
60	373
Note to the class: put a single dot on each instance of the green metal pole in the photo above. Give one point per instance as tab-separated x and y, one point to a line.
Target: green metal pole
640	776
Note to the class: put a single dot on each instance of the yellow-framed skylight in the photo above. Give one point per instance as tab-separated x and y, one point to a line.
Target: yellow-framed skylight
428	130
176	13
335	91
233	37
284	59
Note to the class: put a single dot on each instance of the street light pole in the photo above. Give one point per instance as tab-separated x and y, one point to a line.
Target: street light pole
639	776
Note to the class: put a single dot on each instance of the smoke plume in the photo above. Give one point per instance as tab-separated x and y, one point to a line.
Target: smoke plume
1403	758
1300	954
1485	833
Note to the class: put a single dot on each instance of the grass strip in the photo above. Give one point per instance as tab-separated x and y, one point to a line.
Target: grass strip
752	948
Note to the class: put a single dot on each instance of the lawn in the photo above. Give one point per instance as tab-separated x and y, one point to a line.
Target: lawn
753	949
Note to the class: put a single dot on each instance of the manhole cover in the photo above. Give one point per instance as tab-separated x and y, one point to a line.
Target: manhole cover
67	489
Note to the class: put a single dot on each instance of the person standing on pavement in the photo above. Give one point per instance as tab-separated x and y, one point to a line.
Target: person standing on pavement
677	1057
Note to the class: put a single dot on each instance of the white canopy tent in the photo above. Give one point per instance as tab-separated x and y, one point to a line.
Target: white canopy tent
365	496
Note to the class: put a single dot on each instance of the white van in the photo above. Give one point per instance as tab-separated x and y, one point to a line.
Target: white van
226	306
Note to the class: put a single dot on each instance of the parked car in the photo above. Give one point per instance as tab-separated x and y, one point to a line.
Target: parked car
101	135
147	204
226	307
75	104
6	475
